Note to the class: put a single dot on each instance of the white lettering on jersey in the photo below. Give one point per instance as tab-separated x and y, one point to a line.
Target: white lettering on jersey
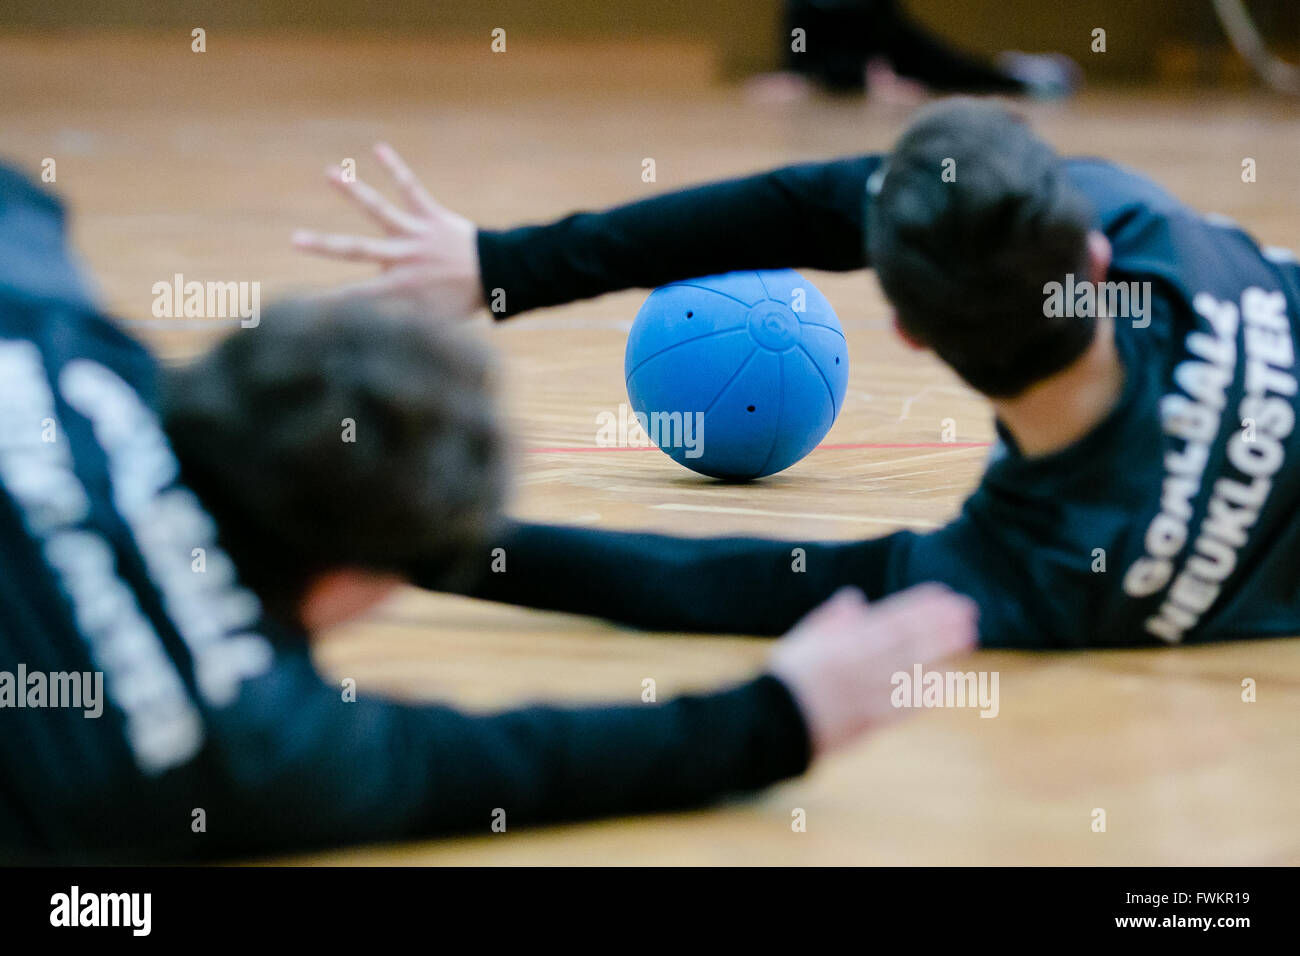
163	727
213	614
1194	416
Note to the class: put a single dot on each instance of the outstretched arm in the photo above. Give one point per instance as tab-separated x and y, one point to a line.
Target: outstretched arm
804	216
740	585
728	585
414	770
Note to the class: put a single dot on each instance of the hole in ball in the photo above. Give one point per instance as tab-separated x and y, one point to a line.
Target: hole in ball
750	408
690	315
837	360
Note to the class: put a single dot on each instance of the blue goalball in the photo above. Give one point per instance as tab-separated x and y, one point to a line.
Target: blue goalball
737	376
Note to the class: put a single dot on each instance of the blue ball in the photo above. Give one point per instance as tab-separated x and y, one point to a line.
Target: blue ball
739	375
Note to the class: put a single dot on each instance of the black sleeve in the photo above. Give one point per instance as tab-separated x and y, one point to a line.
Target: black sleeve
803	216
729	585
302	766
739	585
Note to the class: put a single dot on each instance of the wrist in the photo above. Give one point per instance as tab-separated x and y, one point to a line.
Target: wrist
799	708
474	270
486	293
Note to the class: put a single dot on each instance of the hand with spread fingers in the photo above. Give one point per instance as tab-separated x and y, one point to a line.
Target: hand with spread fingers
840	660
429	253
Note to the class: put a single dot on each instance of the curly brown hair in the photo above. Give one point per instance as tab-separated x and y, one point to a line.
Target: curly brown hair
340	435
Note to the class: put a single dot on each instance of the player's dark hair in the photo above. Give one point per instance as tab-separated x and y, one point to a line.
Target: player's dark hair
343	435
963	257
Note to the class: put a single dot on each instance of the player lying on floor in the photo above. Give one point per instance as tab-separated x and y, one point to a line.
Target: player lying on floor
157	696
852	43
1144	485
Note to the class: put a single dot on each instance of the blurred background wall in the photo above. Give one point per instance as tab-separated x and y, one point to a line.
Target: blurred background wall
1145	39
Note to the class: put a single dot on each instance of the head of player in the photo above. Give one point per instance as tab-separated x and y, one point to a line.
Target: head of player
972	215
336	446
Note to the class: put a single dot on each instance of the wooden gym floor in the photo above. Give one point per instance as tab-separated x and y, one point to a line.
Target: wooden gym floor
202	164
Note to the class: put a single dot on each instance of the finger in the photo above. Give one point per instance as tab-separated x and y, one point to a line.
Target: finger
922	623
937	627
373	202
354	248
845	597
951	634
953	614
407	184
949	617
918	600
843	604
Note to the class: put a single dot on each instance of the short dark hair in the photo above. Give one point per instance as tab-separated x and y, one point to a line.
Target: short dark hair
964	261
339	435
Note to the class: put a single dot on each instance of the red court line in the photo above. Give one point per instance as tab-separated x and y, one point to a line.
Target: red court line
869	444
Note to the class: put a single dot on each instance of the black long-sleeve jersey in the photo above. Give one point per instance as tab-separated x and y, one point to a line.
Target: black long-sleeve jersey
148	711
1176	518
